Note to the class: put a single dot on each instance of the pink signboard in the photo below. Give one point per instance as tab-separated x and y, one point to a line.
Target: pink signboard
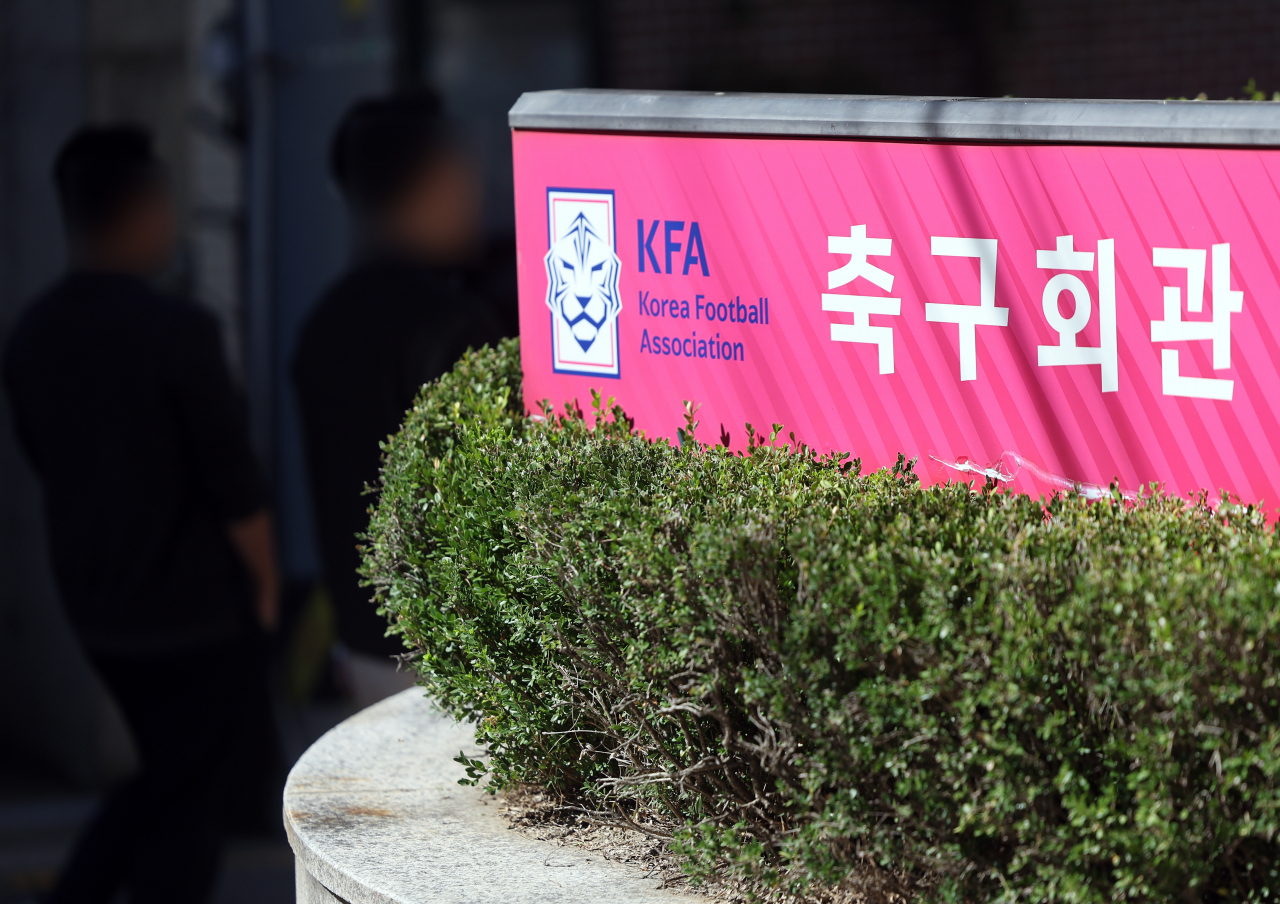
1045	315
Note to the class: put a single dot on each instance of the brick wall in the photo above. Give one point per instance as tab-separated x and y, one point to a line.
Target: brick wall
1141	48
1070	48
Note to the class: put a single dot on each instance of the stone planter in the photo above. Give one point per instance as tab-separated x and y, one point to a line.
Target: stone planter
374	813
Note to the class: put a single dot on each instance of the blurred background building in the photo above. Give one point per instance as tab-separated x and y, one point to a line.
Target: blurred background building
243	96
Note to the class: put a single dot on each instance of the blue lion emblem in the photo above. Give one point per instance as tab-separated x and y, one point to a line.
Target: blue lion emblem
582	281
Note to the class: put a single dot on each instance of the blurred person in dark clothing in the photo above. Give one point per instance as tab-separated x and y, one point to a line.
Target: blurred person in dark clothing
158	526
417	295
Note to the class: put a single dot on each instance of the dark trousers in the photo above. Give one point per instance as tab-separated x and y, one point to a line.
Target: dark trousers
160	833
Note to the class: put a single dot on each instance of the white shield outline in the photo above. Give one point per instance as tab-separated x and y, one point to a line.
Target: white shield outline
603	359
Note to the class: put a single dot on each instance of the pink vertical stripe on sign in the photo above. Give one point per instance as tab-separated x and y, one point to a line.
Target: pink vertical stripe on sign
951	302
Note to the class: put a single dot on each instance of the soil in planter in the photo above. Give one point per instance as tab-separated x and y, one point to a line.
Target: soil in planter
542	817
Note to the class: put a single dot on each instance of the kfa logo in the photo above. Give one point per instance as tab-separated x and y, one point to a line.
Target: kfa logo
582	281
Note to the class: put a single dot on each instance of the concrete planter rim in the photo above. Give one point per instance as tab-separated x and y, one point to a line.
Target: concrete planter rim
374	815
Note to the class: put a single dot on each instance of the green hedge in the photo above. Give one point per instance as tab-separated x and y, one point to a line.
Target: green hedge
828	677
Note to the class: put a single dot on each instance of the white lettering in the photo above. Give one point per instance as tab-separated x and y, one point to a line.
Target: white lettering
859	248
1067	352
967	316
1218	330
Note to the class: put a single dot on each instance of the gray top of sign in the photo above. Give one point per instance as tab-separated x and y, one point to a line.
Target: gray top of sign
913	118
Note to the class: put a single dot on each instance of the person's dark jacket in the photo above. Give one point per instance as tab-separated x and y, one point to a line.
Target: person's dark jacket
381	332
122	401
